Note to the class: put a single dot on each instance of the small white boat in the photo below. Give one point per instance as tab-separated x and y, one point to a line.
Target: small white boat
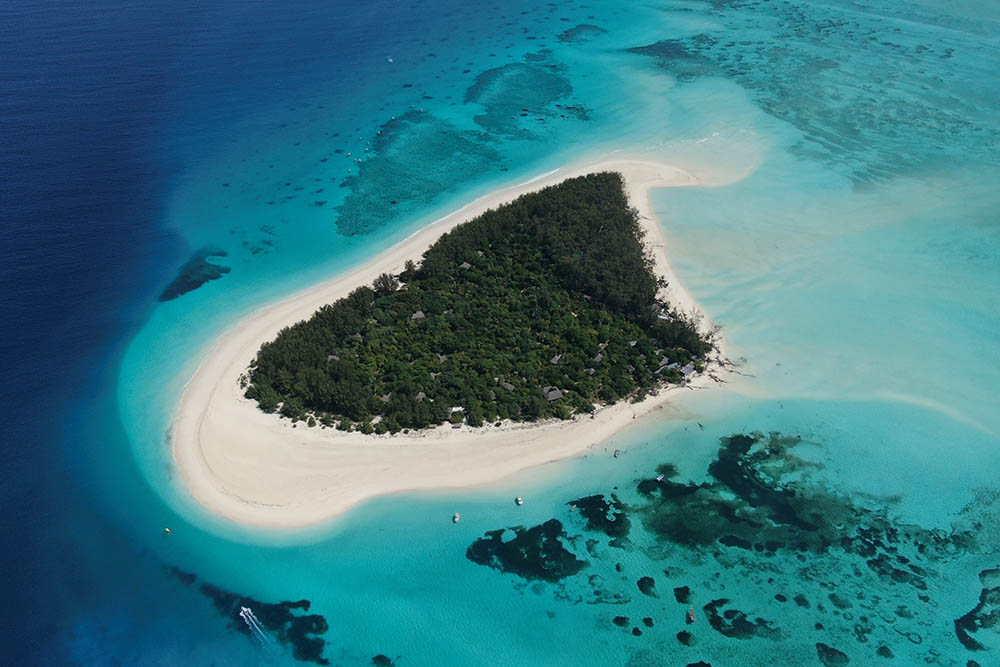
455	518
519	500
659	478
618	453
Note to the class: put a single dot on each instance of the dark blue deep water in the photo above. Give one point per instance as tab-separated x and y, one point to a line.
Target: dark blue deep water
80	106
100	104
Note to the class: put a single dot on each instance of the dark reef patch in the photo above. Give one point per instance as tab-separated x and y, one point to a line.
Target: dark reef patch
535	553
764	516
883	566
839	602
581	33
677	57
733	541
762	498
831	657
647	586
381	660
609	518
747	467
735	624
984	616
186	578
750	477
395	179
511	90
195	272
301	632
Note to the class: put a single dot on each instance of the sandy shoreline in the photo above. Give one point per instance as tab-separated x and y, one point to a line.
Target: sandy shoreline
254	468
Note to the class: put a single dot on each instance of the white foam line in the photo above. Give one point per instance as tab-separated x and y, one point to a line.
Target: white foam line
538	178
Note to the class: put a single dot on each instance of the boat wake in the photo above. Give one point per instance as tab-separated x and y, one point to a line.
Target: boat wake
254	624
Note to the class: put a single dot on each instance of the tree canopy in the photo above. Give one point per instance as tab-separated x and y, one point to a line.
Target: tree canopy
540	308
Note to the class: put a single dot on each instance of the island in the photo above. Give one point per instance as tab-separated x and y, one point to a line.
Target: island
530	340
545	307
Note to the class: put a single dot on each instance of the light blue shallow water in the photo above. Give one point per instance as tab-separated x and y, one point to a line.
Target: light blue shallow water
850	251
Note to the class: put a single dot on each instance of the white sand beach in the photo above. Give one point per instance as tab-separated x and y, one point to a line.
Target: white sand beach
255	468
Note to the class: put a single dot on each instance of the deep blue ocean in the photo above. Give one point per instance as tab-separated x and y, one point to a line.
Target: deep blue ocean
850	249
102	106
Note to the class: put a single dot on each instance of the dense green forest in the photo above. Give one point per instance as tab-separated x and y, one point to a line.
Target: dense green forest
540	308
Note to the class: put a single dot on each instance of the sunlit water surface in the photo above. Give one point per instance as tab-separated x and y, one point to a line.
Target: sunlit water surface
849	246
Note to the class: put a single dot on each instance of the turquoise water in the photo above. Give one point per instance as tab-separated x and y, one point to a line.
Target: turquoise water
849	250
